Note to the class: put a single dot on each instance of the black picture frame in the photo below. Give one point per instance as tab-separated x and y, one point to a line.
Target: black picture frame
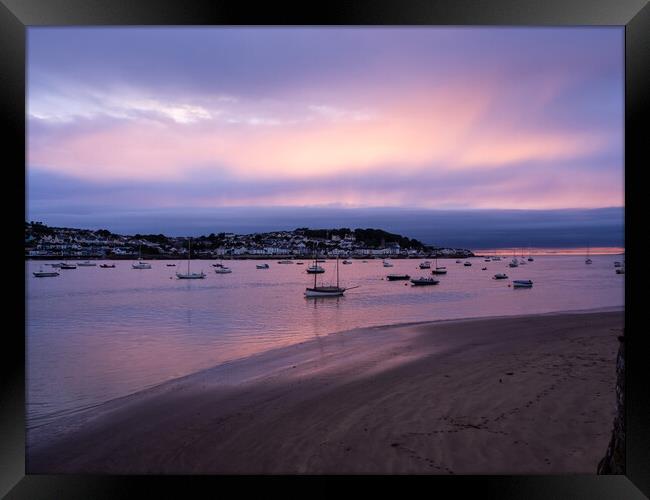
17	15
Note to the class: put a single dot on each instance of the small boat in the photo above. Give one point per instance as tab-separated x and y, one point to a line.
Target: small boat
56	266
44	274
457	262
217	265
620	270
486	260
140	264
425	265
300	263
262	266
514	263
588	260
191	276
315	269
326	291
170	265
347	261
387	264
286	261
222	270
320	260
617	264
65	265
522	283
496	258
484	269
87	264
467	264
106	266
500	276
188	275
424	281
396	277
530	259
364	261
439	269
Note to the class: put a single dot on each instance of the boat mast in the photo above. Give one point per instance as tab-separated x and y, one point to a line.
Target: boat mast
337	271
315	266
189	252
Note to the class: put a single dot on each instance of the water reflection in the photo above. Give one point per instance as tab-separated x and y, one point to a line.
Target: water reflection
94	334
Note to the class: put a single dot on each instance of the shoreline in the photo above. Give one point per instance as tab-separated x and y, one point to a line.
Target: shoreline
327	367
279	351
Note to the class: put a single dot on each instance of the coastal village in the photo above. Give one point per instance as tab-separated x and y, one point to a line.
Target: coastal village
43	242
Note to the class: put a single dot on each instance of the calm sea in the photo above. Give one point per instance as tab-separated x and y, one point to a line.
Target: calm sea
95	334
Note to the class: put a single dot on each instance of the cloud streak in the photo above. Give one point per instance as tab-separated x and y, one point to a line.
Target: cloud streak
420	117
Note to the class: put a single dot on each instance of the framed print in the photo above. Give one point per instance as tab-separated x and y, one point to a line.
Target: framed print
380	242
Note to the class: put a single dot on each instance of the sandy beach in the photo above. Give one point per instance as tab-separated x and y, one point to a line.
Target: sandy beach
510	395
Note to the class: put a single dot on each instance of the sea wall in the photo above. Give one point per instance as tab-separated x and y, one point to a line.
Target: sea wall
614	460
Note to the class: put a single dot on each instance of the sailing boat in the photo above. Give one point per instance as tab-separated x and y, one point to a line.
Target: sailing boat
221	269
522	261
140	264
189	275
316	269
327	291
439	270
587	260
514	262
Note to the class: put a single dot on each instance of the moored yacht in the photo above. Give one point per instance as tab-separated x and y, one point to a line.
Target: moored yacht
326	291
188	275
140	264
315	269
439	269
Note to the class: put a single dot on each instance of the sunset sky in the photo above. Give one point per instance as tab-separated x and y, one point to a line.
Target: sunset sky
130	121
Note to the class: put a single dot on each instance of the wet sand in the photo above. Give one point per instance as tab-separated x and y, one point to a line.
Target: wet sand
511	395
